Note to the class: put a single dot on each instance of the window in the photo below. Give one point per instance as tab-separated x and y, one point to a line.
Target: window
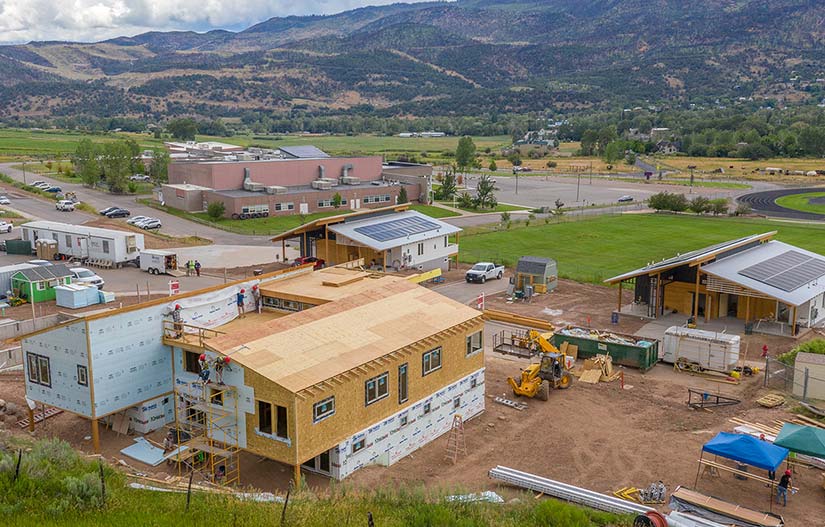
284	206
404	419
456	403
264	417
324	203
216	397
431	361
402	384
39	369
41	286
323	409
255	209
106	246
82	375
420	249
190	362
377	388
54	236
280	422
427	408
474	343
473	383
69	240
359	445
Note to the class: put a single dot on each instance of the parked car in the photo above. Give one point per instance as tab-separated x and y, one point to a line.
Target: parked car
42	186
483	271
625	199
85	276
107	210
53	190
64	205
151	223
4	200
118	213
301	260
5	226
42	263
139	177
36	183
134	220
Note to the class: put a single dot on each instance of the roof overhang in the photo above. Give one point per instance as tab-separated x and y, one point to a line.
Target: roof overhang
330	220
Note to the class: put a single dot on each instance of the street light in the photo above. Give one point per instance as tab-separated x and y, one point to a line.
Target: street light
692	168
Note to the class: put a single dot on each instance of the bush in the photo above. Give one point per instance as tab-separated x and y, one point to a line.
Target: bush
816	346
132	187
216	210
552	164
505	217
668	201
699	205
743	209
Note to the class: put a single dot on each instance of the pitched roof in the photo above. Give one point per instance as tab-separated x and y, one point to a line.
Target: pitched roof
304	151
45	272
391	230
305	348
338	218
533	265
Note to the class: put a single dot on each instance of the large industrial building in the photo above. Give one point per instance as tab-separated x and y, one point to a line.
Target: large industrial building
342	368
300	180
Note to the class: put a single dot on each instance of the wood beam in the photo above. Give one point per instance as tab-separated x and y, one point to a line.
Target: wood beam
619	304
95	436
696	298
296	477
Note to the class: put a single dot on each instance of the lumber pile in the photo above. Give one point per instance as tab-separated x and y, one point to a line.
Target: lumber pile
598	369
772	400
517	320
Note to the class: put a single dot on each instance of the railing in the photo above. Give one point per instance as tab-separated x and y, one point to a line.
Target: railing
181	333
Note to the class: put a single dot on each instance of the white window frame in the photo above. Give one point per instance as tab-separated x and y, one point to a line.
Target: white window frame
105	246
428	408
35	365
428	362
421	249
82	375
280	207
324	203
319	414
374	384
471	348
405	389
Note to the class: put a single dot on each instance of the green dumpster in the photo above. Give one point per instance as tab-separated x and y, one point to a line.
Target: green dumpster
18	247
634	352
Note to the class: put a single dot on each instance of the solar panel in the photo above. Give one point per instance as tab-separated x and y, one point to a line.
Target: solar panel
393	229
787	271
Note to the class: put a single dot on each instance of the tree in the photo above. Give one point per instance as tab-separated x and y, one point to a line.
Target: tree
613	152
505	217
588	142
552	164
493	167
465	153
743	209
558	211
699	205
485	193
514	159
466	201
337	200
159	169
668	201
117	165
86	162
402	195
215	210
718	206
182	129
448	186
630	159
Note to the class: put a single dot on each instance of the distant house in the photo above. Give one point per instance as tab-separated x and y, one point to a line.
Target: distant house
36	284
667	147
658	134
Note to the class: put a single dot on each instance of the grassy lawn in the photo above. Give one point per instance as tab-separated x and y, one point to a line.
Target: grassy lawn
434	212
501	207
59	143
593	249
802	203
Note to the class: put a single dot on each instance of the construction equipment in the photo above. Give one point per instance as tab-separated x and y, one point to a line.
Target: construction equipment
552	367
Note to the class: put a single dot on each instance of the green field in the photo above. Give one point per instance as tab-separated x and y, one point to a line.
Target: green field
59	143
434	212
686	183
801	202
501	207
593	249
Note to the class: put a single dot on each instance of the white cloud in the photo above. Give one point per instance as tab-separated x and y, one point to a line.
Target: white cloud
94	20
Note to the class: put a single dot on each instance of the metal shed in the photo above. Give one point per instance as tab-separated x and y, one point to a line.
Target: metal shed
37	284
536	271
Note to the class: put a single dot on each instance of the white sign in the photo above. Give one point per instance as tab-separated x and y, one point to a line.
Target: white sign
174	287
480	301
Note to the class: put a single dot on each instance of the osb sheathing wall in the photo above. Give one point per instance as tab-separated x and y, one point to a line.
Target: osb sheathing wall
346	253
351	414
268	391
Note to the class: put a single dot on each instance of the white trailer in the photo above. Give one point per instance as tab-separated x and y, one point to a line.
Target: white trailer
707	349
81	242
159	262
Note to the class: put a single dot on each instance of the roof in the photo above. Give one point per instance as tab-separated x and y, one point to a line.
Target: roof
692	257
311	346
392	230
79	229
325	285
45	272
329	220
746	449
802	439
533	264
185	186
786	273
810	358
305	151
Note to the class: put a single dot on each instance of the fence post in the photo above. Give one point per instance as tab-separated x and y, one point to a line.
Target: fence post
767	364
805	387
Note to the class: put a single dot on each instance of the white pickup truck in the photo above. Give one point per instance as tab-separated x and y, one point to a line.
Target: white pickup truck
483	271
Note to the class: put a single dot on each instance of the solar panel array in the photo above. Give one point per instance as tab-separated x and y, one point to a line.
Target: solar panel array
787	271
394	229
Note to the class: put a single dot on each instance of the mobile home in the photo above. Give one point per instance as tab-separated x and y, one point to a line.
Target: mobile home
79	241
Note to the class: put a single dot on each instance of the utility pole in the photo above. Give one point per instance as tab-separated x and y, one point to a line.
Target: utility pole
578	183
691	167
516	183
591	172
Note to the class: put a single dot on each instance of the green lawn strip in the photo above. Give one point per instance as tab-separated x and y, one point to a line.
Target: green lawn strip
501	207
593	249
433	211
685	183
801	203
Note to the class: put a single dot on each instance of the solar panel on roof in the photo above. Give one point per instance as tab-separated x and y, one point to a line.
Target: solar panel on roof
787	271
394	229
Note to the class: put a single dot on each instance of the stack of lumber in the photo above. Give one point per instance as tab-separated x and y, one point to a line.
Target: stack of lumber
598	369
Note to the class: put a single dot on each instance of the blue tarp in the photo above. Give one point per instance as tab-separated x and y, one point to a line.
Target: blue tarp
746	449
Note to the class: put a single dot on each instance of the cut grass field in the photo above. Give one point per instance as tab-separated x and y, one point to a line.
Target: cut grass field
802	202
593	249
434	212
501	207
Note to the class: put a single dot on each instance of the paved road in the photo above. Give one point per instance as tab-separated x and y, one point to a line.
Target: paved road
467	293
172	225
765	203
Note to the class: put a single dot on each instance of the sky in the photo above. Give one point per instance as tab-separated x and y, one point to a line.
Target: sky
94	20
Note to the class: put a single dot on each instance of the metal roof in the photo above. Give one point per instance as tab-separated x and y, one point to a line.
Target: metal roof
533	265
303	152
45	272
393	230
338	218
81	230
796	287
692	256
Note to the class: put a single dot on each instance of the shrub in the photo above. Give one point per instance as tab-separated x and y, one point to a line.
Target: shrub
216	210
505	217
812	346
668	201
132	187
552	164
743	209
699	205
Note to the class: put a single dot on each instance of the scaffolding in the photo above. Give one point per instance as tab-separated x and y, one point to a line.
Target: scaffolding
206	422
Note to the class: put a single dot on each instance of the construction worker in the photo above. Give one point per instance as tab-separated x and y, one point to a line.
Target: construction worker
256	296
177	322
220	364
239	299
197	266
190	268
782	488
169	446
204	367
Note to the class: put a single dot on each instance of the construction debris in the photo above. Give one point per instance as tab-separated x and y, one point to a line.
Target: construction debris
487	496
512	404
146	452
40	416
598	369
772	400
653	494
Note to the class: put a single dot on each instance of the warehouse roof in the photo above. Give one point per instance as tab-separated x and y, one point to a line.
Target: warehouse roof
388	231
303	152
694	257
309	347
781	271
39	273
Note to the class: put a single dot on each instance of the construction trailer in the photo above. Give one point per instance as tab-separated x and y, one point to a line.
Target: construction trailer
341	369
81	242
156	261
708	350
38	283
6	272
542	274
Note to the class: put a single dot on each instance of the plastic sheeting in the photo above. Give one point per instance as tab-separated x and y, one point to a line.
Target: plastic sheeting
214	309
746	449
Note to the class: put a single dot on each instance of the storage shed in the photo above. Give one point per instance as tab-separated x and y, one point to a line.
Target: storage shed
75	296
37	284
814	363
541	273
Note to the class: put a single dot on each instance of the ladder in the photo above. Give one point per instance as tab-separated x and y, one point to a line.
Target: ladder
455	442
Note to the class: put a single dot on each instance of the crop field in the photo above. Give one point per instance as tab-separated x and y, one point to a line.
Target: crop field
744	168
594	249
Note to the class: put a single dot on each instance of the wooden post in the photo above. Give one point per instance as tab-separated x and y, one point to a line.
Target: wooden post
707	306
326	244
696	298
660	296
619	304
31	420
283	250
793	321
296	478
747	309
95	436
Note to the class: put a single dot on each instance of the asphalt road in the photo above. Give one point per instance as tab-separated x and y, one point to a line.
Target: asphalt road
467	293
172	225
765	203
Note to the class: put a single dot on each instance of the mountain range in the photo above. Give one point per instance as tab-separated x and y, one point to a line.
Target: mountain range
469	57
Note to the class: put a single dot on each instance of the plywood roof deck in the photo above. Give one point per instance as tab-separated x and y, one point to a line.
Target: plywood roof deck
306	348
250	321
326	285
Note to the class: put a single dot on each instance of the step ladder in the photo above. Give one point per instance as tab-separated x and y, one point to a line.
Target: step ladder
512	404
455	442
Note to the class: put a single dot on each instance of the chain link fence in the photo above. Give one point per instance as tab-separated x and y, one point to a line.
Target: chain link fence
795	380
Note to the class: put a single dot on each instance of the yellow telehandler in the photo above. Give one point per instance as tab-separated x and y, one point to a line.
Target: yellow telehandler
550	368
